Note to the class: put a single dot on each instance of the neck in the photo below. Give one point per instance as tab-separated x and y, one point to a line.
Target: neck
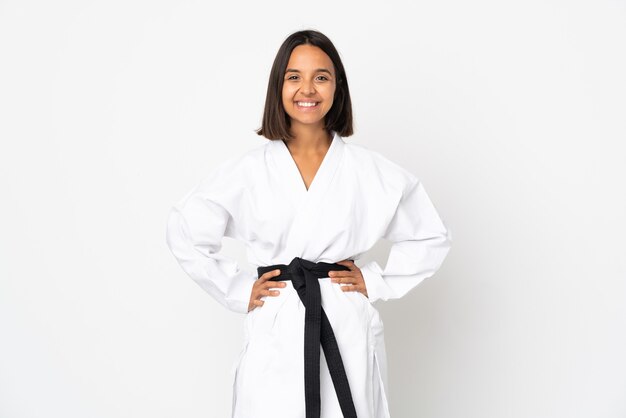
308	138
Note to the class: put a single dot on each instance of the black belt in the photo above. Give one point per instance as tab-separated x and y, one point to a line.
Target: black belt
304	275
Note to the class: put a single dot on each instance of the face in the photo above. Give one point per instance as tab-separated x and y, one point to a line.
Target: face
309	85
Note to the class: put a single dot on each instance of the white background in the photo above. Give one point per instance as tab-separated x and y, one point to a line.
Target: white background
511	113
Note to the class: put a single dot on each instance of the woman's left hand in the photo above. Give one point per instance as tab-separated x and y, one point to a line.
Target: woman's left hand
351	280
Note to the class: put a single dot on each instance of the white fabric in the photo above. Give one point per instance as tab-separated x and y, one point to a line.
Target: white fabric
356	197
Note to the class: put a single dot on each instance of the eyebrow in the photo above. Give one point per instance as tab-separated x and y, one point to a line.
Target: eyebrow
319	70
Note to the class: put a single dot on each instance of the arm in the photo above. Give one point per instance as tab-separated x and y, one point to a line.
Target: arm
420	244
194	234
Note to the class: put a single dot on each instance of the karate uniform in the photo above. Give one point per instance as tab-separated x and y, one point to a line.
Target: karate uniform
356	197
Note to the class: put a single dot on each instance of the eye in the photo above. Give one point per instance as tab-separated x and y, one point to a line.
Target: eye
292	77
323	78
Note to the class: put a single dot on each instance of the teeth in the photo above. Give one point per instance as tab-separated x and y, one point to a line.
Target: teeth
306	104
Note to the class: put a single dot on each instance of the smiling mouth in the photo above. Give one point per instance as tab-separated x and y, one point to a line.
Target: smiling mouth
307	105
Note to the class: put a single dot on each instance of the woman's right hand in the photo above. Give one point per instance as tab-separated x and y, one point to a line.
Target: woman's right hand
263	287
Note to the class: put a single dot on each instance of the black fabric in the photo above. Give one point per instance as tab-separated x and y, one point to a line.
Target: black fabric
304	275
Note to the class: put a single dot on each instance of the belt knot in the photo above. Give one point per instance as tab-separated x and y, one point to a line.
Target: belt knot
317	330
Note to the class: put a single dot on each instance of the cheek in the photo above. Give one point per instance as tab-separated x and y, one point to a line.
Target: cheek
329	95
289	89
329	91
286	97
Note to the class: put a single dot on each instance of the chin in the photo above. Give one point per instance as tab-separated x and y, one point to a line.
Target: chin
308	122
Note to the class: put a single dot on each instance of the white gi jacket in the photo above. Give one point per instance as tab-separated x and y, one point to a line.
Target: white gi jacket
356	197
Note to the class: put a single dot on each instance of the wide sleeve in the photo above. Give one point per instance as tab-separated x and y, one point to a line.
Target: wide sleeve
195	228
420	240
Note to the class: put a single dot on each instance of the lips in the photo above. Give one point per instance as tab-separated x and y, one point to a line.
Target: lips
307	104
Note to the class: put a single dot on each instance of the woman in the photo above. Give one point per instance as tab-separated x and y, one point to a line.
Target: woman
307	204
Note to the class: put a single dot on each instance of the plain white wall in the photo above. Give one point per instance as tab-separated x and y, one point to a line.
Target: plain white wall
511	113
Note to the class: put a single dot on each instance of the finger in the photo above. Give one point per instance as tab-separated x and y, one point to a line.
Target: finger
341	273
350	288
348	263
268	275
269	284
257	302
251	306
358	285
270	292
343	279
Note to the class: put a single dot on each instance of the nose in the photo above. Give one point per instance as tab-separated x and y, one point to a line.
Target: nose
307	87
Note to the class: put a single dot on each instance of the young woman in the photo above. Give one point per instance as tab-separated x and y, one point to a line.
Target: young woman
308	204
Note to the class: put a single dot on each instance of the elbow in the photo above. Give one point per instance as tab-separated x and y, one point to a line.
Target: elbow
446	241
448	237
173	231
446	244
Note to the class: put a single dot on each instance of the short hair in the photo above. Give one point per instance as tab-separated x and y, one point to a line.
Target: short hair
276	122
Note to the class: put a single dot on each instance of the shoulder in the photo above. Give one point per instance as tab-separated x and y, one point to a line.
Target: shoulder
225	181
236	168
380	166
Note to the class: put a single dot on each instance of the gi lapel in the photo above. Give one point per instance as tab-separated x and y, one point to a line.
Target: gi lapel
305	201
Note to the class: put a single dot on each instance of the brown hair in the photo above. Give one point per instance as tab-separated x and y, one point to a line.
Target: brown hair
276	121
